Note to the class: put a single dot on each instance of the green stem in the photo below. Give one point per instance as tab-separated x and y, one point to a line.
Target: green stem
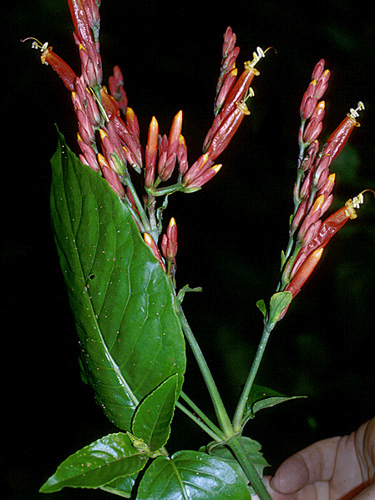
203	417
239	451
238	416
139	205
165	190
207	429
220	410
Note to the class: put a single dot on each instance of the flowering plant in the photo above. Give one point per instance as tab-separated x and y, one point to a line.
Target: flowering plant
119	264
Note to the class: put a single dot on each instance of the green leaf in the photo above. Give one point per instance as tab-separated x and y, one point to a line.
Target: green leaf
263	397
253	450
262	307
122	301
191	475
121	486
152	420
279	301
97	464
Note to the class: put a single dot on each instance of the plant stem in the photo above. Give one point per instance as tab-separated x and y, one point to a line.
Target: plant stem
139	205
202	416
237	419
239	451
220	410
207	429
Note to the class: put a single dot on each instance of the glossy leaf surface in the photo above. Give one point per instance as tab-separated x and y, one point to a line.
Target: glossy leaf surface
97	464
253	450
152	420
191	475
122	301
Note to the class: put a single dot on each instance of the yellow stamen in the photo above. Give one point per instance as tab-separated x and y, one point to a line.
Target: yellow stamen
354	113
243	108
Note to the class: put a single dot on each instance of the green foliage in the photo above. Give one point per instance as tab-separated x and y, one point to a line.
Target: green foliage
261	398
152	420
278	302
253	451
122	301
191	474
101	462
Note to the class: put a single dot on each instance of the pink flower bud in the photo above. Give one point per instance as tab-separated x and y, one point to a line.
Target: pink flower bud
152	245
318	70
169	241
312	131
111	177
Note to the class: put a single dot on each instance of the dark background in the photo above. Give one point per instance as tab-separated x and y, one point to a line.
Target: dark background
230	234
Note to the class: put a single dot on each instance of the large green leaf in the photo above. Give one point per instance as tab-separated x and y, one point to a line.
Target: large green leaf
191	475
106	460
130	338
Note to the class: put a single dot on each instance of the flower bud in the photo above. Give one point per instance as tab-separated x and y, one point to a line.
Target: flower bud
304	272
152	245
169	241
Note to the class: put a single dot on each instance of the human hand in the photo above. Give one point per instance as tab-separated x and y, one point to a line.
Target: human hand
339	468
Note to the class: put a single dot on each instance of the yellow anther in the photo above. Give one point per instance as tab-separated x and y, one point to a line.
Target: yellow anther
356	202
243	108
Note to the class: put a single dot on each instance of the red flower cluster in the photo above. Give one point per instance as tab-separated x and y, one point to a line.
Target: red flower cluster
309	234
108	130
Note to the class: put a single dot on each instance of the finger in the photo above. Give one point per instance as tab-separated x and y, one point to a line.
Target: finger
366	494
314	463
274	494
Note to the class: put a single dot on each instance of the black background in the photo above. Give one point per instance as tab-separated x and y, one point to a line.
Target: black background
230	233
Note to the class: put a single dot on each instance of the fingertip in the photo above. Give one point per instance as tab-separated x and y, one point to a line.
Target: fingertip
291	476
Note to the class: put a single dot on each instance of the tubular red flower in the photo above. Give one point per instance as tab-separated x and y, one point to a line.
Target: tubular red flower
49	57
80	21
176	128
333	224
304	272
238	92
64	71
151	152
227	130
339	137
